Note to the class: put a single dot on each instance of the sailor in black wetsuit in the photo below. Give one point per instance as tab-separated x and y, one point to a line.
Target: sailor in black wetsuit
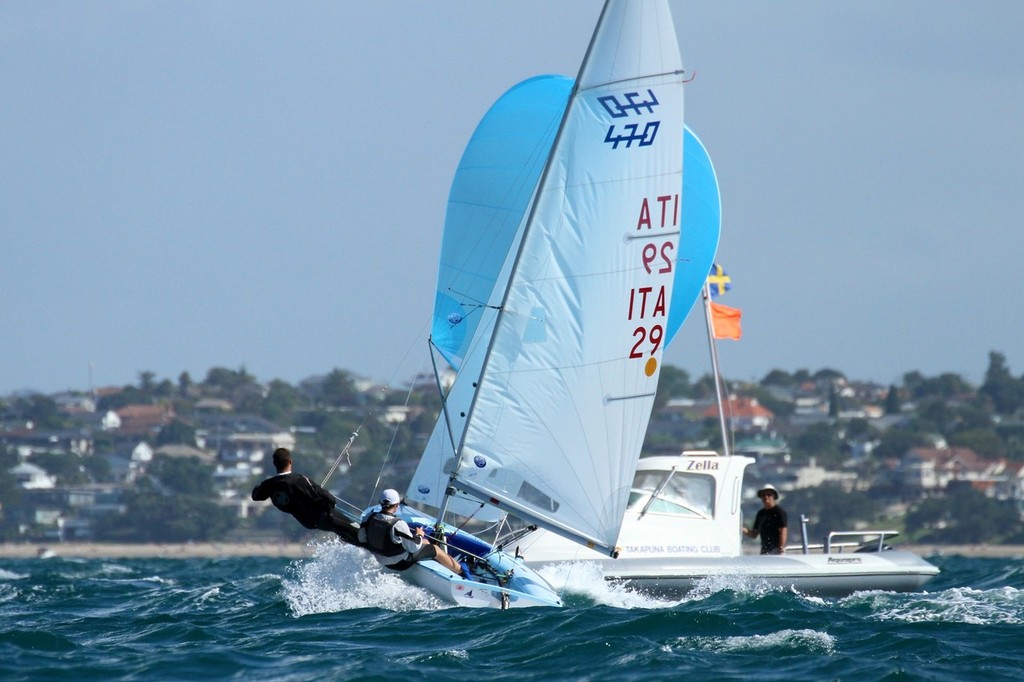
393	543
309	503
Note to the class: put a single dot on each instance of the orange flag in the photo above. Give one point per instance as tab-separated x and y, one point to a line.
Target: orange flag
725	321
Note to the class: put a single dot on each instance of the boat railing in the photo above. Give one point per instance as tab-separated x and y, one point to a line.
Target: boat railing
864	544
867	542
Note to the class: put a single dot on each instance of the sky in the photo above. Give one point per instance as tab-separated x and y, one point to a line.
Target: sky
262	185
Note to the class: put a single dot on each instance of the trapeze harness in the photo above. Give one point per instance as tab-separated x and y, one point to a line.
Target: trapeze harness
379	538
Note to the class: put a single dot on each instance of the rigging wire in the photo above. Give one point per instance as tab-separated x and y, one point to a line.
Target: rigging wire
345	452
394	436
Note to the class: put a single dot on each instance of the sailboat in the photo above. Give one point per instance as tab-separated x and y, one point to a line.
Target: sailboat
552	308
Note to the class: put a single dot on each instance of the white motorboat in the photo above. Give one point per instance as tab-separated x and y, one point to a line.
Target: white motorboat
683	527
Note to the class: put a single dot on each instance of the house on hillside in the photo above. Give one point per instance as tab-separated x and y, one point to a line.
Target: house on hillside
39	514
796	476
75	404
929	470
30	441
85	503
745	414
763	446
682	410
398	414
1011	486
862	412
31	477
213	406
142	420
184	451
243	445
866	392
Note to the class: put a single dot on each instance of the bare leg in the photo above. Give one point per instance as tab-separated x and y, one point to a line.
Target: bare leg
448	562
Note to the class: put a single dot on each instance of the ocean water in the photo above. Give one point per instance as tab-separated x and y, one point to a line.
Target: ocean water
336	616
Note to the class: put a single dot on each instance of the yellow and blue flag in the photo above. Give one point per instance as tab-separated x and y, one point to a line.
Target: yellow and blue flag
718	281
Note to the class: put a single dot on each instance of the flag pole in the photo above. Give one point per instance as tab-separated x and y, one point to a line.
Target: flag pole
714	368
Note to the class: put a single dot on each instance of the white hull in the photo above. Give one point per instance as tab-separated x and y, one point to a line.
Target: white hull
445	585
690	534
833	575
499	581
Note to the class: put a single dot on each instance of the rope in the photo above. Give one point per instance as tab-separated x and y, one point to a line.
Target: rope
344	453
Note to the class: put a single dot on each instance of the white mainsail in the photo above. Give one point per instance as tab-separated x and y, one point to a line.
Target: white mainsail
568	381
487	211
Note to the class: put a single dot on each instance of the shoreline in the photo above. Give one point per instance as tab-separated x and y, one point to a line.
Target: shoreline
298	550
983	551
153	550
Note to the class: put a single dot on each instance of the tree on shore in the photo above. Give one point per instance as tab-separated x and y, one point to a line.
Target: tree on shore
178	498
1004	391
963	515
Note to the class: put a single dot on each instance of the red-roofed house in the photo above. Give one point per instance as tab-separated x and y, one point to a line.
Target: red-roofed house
931	469
745	414
140	420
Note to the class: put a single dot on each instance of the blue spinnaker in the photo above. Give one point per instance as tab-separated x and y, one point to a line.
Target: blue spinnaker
701	225
491	191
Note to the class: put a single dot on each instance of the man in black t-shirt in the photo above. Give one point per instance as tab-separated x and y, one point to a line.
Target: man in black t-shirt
309	503
770	523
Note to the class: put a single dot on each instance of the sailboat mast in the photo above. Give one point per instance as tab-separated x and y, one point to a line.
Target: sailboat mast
726	450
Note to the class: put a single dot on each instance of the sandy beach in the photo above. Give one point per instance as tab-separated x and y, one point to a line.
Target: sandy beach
212	550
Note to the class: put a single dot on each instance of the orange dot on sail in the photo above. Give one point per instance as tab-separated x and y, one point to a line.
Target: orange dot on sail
651	367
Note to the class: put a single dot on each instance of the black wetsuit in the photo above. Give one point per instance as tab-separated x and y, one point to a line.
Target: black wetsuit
309	503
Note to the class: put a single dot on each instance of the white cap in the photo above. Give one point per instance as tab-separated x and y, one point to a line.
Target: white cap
390	497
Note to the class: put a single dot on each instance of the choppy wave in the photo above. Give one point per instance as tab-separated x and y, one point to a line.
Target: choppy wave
341	577
791	641
337	615
955	605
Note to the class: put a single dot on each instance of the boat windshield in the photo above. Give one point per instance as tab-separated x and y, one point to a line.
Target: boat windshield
685	495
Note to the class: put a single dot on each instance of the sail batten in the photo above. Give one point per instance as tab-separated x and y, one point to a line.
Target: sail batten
668	76
612	398
649	237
